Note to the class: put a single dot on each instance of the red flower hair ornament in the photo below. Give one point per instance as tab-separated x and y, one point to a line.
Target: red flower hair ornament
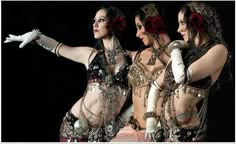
118	24
196	22
154	25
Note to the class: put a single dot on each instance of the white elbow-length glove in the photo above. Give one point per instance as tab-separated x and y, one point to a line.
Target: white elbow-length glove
34	35
178	67
151	116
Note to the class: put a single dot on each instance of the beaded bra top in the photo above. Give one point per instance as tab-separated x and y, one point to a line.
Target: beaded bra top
98	71
137	75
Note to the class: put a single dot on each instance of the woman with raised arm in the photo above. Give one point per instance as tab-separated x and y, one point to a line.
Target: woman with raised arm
94	116
194	68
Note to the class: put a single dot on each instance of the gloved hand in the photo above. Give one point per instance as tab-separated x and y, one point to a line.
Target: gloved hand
35	35
25	38
150	127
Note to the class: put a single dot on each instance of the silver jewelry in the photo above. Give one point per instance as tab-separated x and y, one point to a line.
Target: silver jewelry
111	56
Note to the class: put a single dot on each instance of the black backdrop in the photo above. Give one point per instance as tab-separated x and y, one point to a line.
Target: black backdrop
38	87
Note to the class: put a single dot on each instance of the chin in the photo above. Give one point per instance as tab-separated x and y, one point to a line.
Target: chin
145	43
96	37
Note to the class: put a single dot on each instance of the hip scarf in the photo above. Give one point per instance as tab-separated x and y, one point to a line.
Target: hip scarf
84	132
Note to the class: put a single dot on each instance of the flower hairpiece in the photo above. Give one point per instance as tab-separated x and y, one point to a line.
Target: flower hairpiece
154	25
118	24
196	22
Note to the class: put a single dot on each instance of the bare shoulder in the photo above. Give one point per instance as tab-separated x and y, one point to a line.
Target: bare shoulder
219	49
132	54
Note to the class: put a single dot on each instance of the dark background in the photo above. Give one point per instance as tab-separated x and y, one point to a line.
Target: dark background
38	88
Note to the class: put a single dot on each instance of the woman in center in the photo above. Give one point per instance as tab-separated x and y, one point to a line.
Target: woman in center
148	64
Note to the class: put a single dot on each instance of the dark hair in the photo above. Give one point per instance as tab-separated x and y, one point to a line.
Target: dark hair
151	19
117	22
202	17
212	27
139	13
185	9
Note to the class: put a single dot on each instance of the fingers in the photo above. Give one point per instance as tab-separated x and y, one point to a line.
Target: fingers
12	38
7	41
23	43
147	135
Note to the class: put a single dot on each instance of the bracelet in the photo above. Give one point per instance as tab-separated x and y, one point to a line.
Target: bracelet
149	114
177	44
57	49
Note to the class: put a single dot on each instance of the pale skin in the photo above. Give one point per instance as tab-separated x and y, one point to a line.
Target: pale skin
138	99
81	55
145	55
210	64
92	99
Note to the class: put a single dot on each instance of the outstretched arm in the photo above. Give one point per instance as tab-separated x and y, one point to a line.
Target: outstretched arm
78	54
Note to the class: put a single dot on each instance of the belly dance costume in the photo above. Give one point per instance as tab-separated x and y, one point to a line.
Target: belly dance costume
198	89
112	88
139	79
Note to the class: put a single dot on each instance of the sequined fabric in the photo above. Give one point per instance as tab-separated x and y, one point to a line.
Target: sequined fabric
138	77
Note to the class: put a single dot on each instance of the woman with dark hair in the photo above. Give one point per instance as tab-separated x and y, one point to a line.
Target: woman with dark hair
192	72
94	117
148	65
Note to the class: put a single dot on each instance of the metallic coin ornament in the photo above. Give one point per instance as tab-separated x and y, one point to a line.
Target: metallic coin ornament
81	126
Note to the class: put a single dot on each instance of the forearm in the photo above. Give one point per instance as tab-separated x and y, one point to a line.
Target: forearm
153	97
48	43
180	72
151	116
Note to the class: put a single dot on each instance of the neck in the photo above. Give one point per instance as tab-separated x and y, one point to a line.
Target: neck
107	43
204	38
